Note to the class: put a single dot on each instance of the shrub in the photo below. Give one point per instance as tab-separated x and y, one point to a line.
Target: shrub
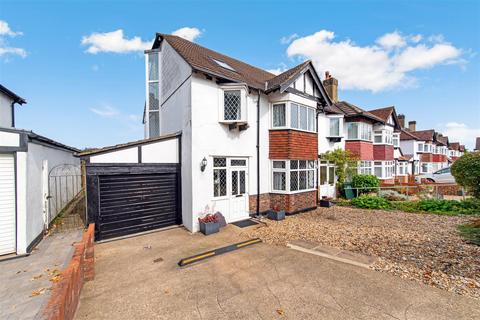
471	231
469	206
466	171
370	202
392	195
406	206
366	183
345	164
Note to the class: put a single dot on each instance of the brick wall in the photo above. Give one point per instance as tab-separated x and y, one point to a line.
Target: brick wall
65	294
383	152
293	144
362	149
289	202
426	157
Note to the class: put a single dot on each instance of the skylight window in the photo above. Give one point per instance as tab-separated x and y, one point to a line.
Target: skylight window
224	65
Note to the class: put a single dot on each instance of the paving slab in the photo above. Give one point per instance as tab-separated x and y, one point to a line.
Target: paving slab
257	282
25	281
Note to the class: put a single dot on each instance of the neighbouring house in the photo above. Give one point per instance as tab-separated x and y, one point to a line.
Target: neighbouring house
477	145
26	159
455	151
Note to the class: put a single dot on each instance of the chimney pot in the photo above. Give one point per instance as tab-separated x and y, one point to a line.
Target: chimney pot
412	125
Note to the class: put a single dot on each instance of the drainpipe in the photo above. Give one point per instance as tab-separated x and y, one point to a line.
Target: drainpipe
258	155
13	114
318	167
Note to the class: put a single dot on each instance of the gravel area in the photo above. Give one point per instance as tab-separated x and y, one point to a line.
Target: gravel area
421	247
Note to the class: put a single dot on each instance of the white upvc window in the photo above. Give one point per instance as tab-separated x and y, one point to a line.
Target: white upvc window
293	175
396	139
359	131
233	104
327	173
383	169
153	93
420	147
383	136
402	168
335	127
219	177
425	167
292	115
364	167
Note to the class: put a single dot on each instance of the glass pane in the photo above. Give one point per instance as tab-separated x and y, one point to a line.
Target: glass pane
231	103
311	179
352	131
293	164
234	182
279	115
153	124
153	66
293	180
323	175
303	118
331	175
238	163
294	115
153	96
378	172
302	180
311	164
378	139
219	162
279	164
311	119
302	164
242	182
334	127
279	181
219	182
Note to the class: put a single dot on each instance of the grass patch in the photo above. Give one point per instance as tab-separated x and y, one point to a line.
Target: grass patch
471	231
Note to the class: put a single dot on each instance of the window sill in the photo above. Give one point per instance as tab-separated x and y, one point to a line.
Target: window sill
233	121
293	192
359	140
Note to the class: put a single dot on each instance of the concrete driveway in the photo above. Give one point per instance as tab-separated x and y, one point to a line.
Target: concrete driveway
258	282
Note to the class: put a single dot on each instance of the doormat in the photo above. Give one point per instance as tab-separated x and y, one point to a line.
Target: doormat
244	223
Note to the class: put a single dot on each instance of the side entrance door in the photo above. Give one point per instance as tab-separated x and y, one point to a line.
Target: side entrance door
326	180
238	197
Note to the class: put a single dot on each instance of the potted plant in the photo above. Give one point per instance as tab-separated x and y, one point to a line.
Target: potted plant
209	224
326	202
276	214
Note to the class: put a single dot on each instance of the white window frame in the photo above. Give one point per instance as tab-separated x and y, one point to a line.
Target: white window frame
288	172
428	166
311	113
420	147
340	127
243	103
387	169
396	138
402	166
328	167
364	132
147	90
386	136
365	167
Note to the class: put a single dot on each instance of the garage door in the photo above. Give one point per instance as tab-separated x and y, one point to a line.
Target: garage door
7	204
133	203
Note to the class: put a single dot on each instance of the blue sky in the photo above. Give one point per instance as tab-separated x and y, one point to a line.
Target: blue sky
421	57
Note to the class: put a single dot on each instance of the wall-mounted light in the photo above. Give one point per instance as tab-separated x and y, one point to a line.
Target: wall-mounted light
203	164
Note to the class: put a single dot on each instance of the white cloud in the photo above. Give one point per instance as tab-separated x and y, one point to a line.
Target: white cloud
6	31
288	39
5	49
105	111
187	33
114	42
373	67
392	40
461	132
281	68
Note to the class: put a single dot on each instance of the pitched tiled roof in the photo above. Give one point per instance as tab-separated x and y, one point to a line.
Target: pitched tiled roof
383	113
350	110
286	76
441	139
201	58
406	157
407	135
454	145
425	135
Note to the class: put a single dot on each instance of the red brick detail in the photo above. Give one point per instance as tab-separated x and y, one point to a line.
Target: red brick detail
289	202
362	149
65	294
439	158
293	144
383	152
426	157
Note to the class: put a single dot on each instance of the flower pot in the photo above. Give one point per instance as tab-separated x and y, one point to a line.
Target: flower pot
209	228
276	215
326	203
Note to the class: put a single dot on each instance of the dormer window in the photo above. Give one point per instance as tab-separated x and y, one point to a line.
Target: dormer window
232	101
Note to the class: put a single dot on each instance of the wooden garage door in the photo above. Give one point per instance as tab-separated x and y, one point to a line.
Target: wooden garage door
133	203
7	204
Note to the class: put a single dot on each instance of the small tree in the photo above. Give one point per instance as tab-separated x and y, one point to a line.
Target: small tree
365	182
466	171
345	163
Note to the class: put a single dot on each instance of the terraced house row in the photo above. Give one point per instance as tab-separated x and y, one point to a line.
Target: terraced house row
247	140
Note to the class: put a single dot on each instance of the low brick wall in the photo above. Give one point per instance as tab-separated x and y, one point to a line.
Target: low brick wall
291	203
66	292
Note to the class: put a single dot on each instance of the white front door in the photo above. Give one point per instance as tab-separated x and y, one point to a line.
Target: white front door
7	204
230	183
326	180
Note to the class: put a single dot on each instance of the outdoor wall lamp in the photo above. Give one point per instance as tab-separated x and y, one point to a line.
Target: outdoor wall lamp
203	164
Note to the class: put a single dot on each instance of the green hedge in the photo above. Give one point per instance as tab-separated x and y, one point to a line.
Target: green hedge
366	183
371	202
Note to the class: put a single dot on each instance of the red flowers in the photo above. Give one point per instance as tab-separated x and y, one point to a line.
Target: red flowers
209	218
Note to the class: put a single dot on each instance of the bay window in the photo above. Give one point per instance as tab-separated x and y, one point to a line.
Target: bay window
364	167
359	131
233	104
293	175
383	136
383	169
293	116
402	168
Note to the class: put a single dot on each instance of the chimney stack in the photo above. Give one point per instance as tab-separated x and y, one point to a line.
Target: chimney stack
412	125
331	86
401	120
